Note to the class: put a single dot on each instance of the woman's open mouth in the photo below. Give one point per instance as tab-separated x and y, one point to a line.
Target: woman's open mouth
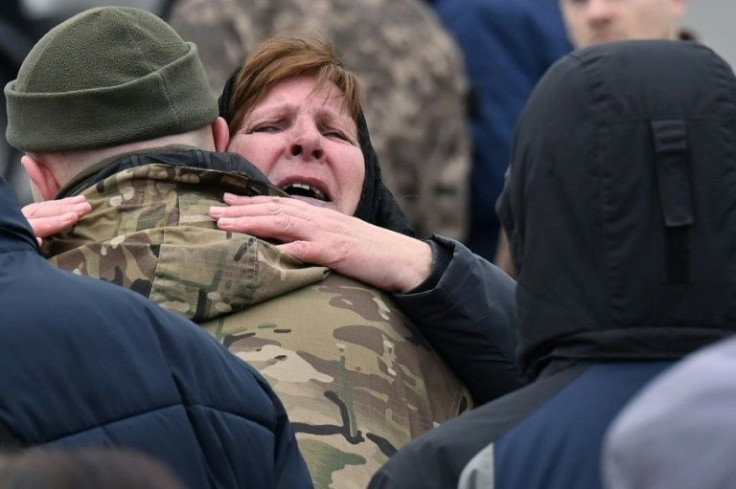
297	189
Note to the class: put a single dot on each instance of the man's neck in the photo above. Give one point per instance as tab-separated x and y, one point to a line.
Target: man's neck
69	188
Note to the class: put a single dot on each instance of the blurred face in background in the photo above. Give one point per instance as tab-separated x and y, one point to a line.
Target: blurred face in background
591	22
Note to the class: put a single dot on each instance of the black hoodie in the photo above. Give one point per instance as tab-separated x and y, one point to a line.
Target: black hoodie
621	205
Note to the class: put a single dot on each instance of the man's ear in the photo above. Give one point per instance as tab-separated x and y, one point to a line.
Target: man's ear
221	134
45	185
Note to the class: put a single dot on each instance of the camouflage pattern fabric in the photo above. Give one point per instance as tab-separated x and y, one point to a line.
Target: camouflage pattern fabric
149	231
357	379
412	72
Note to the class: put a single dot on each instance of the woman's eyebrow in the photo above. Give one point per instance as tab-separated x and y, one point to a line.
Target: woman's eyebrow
272	110
333	115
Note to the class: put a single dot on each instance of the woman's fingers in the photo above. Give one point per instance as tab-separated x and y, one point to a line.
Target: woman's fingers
232	199
282	227
346	244
257	206
53	216
275	217
77	204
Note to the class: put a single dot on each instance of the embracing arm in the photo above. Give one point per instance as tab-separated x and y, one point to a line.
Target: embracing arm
382	258
469	316
464	306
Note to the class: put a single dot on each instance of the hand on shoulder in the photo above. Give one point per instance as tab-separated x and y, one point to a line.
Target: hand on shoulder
53	216
385	259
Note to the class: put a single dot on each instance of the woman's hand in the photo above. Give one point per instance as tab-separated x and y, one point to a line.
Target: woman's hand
53	216
385	259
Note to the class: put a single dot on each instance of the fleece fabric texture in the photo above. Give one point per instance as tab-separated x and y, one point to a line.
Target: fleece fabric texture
107	76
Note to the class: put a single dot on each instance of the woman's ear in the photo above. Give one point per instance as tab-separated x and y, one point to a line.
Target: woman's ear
45	186
221	134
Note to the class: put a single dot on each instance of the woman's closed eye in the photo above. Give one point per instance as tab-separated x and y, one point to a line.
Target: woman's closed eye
269	127
334	133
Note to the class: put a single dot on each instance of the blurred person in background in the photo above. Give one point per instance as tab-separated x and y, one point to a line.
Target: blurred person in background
507	47
84	468
18	33
591	22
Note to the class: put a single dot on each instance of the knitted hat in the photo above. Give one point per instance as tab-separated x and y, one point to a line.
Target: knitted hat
107	76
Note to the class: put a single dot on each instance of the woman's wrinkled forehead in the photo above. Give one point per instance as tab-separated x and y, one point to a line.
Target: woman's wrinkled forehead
322	93
270	67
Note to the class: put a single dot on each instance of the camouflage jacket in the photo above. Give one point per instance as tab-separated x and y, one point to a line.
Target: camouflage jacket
357	379
410	67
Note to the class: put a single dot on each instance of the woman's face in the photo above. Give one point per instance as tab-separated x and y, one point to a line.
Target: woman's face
304	142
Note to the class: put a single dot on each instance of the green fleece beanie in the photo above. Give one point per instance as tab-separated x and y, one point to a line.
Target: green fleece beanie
107	76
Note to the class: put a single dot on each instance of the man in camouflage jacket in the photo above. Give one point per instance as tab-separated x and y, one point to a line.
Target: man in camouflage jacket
357	380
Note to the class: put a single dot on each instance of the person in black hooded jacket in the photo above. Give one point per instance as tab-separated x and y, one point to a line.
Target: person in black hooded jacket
85	363
618	206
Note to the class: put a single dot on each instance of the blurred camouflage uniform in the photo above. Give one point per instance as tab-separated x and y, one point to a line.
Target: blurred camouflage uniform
410	68
356	378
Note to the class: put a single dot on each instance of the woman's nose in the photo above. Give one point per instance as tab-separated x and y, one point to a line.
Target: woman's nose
307	142
299	149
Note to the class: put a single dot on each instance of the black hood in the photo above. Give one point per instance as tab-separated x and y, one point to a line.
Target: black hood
377	204
621	205
15	232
